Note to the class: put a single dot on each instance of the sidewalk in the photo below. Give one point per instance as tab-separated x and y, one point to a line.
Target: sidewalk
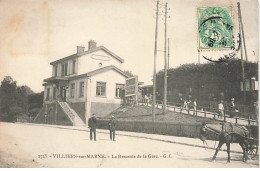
194	142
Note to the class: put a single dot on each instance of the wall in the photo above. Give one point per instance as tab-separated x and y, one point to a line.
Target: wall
56	116
162	128
86	63
80	109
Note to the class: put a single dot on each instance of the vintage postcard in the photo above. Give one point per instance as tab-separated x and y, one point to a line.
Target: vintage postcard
129	84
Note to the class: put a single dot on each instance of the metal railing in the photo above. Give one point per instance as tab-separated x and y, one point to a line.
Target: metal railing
206	111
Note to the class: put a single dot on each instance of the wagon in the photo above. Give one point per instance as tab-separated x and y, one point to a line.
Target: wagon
253	141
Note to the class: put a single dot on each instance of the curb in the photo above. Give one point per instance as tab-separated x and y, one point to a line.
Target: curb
127	135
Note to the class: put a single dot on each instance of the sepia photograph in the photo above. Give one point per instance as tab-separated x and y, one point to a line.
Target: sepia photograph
129	84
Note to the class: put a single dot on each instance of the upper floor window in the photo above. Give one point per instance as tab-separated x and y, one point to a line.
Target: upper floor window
55	71
101	89
64	69
74	67
100	64
119	88
81	89
72	90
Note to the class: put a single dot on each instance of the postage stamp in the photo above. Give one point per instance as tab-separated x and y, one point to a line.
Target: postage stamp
215	27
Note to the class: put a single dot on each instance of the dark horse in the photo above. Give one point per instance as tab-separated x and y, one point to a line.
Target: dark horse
227	133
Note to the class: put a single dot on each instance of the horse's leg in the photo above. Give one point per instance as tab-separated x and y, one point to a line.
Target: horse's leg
218	148
228	151
244	150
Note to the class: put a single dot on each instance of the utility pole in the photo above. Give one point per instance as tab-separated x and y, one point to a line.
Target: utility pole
198	56
241	23
155	55
168	53
241	52
165	63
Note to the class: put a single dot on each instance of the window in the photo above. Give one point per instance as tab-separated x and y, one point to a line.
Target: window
101	89
100	64
54	93
64	69
72	90
81	89
74	67
55	71
119	88
48	94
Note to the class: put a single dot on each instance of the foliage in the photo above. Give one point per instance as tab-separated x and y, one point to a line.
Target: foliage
207	81
17	101
129	73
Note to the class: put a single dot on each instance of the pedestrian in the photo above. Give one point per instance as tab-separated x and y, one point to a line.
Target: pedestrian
194	106
146	99
233	108
185	105
92	124
220	109
256	109
112	128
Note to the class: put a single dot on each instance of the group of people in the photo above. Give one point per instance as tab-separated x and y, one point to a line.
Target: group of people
187	104
92	124
147	99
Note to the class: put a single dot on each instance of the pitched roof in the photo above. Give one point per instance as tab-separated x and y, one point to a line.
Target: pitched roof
88	52
100	70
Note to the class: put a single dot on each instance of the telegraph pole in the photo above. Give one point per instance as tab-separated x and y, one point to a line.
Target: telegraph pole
241	52
165	63
198	56
154	70
241	23
168	53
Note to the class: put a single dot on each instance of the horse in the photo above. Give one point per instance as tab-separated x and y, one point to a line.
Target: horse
227	133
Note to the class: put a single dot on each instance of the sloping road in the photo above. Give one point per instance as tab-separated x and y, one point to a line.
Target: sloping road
29	145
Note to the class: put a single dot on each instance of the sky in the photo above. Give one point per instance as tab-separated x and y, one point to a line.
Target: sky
35	33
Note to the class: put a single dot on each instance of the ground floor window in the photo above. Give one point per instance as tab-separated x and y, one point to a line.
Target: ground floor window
54	93
48	94
101	89
72	90
81	89
119	88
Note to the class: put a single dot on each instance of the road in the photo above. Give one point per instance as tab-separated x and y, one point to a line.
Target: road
29	145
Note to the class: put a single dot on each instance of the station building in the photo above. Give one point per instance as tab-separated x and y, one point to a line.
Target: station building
89	81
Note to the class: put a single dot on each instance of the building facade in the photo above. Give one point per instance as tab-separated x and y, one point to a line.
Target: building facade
81	84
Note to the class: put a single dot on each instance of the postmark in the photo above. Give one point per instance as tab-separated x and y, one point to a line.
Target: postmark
215	28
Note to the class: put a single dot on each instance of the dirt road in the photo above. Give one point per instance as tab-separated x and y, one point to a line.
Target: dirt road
23	145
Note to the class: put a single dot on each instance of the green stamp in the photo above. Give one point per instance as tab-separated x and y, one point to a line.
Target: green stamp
215	27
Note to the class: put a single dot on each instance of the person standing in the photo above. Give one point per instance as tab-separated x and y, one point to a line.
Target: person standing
233	108
220	109
256	109
92	124
194	106
112	128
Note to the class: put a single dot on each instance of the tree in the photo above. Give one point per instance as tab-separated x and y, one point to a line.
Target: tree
8	98
129	73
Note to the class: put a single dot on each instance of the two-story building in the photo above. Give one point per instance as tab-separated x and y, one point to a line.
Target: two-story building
83	83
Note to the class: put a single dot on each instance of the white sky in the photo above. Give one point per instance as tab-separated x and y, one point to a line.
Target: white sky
35	33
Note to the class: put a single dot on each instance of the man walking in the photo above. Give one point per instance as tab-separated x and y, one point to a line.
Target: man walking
112	128
92	124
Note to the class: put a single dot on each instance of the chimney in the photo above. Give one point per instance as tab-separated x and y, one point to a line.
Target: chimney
92	45
80	49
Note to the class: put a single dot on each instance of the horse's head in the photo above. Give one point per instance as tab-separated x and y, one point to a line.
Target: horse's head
203	132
